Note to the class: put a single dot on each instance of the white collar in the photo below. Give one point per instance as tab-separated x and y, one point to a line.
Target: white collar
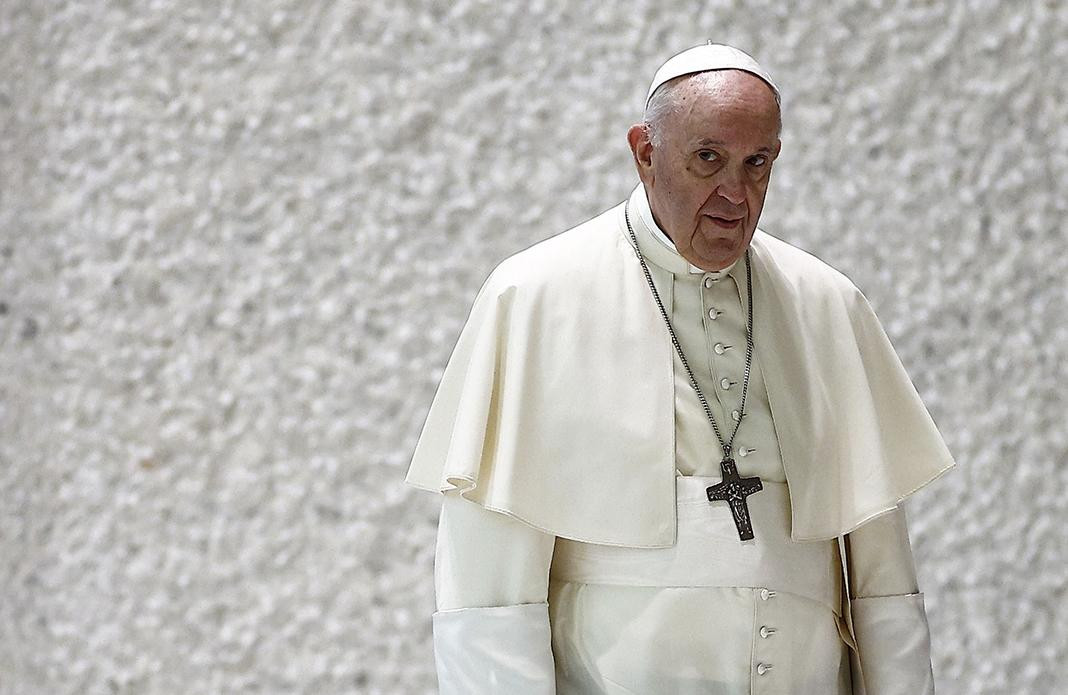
673	261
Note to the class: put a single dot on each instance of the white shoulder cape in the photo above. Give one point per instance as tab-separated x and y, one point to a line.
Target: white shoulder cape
557	405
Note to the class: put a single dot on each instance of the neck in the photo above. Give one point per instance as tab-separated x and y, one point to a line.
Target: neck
650	220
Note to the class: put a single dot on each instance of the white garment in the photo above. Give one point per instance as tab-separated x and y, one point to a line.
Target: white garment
532	417
662	620
496	590
710	614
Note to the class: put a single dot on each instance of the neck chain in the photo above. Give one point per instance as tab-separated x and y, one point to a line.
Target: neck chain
733	489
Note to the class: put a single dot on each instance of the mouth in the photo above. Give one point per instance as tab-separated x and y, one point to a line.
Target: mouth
725	222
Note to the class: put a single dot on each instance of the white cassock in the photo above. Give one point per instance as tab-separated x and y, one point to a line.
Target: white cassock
568	593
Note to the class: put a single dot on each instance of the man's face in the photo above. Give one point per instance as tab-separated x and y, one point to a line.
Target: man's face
707	179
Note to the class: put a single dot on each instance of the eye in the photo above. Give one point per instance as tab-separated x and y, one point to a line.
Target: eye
758	161
707	155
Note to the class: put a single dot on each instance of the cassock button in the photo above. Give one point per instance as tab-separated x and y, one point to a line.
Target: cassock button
765	594
766	632
712	313
763	668
719	348
736	415
709	281
725	383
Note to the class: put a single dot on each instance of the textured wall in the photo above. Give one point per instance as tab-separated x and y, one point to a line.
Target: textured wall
238	241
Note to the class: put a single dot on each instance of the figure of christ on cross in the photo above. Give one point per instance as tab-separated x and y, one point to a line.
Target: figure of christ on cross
733	490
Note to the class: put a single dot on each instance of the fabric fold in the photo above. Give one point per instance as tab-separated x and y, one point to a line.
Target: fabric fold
527	421
894	642
499	649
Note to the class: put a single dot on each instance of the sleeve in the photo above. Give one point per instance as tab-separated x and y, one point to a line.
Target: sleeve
491	580
893	637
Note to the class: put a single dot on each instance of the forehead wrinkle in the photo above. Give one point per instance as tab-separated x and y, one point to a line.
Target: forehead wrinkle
720	143
734	118
728	88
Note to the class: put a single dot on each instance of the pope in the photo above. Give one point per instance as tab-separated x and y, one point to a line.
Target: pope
673	447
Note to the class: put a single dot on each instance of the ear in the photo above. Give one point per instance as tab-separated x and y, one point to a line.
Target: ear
642	151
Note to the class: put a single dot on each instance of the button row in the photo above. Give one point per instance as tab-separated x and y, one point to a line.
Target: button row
765	632
719	349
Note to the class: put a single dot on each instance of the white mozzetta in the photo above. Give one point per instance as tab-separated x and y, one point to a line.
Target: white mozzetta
531	419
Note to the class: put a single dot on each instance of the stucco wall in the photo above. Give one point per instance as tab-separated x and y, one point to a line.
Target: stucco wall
238	241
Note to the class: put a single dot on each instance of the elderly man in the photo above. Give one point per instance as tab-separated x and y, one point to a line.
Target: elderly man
673	446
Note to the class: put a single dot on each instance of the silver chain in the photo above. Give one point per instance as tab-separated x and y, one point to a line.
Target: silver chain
727	446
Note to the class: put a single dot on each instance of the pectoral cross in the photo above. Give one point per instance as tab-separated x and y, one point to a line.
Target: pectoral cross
733	490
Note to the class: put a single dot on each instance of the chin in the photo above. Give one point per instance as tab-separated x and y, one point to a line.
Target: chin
717	262
724	252
721	264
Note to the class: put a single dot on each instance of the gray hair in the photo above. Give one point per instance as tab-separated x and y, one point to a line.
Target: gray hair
665	101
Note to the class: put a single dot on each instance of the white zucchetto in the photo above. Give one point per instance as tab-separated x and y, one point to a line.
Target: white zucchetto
710	56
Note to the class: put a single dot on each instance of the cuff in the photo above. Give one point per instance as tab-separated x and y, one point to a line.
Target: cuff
894	644
499	649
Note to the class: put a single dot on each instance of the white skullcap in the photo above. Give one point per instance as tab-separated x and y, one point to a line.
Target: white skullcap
710	56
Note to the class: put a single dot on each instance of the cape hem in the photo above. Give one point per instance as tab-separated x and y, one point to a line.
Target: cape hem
449	486
868	516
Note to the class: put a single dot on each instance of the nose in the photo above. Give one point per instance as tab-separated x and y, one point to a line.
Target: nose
731	188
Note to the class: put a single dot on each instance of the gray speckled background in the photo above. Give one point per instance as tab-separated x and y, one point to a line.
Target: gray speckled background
238	241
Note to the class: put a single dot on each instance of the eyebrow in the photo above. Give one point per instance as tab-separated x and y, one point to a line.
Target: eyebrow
710	141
